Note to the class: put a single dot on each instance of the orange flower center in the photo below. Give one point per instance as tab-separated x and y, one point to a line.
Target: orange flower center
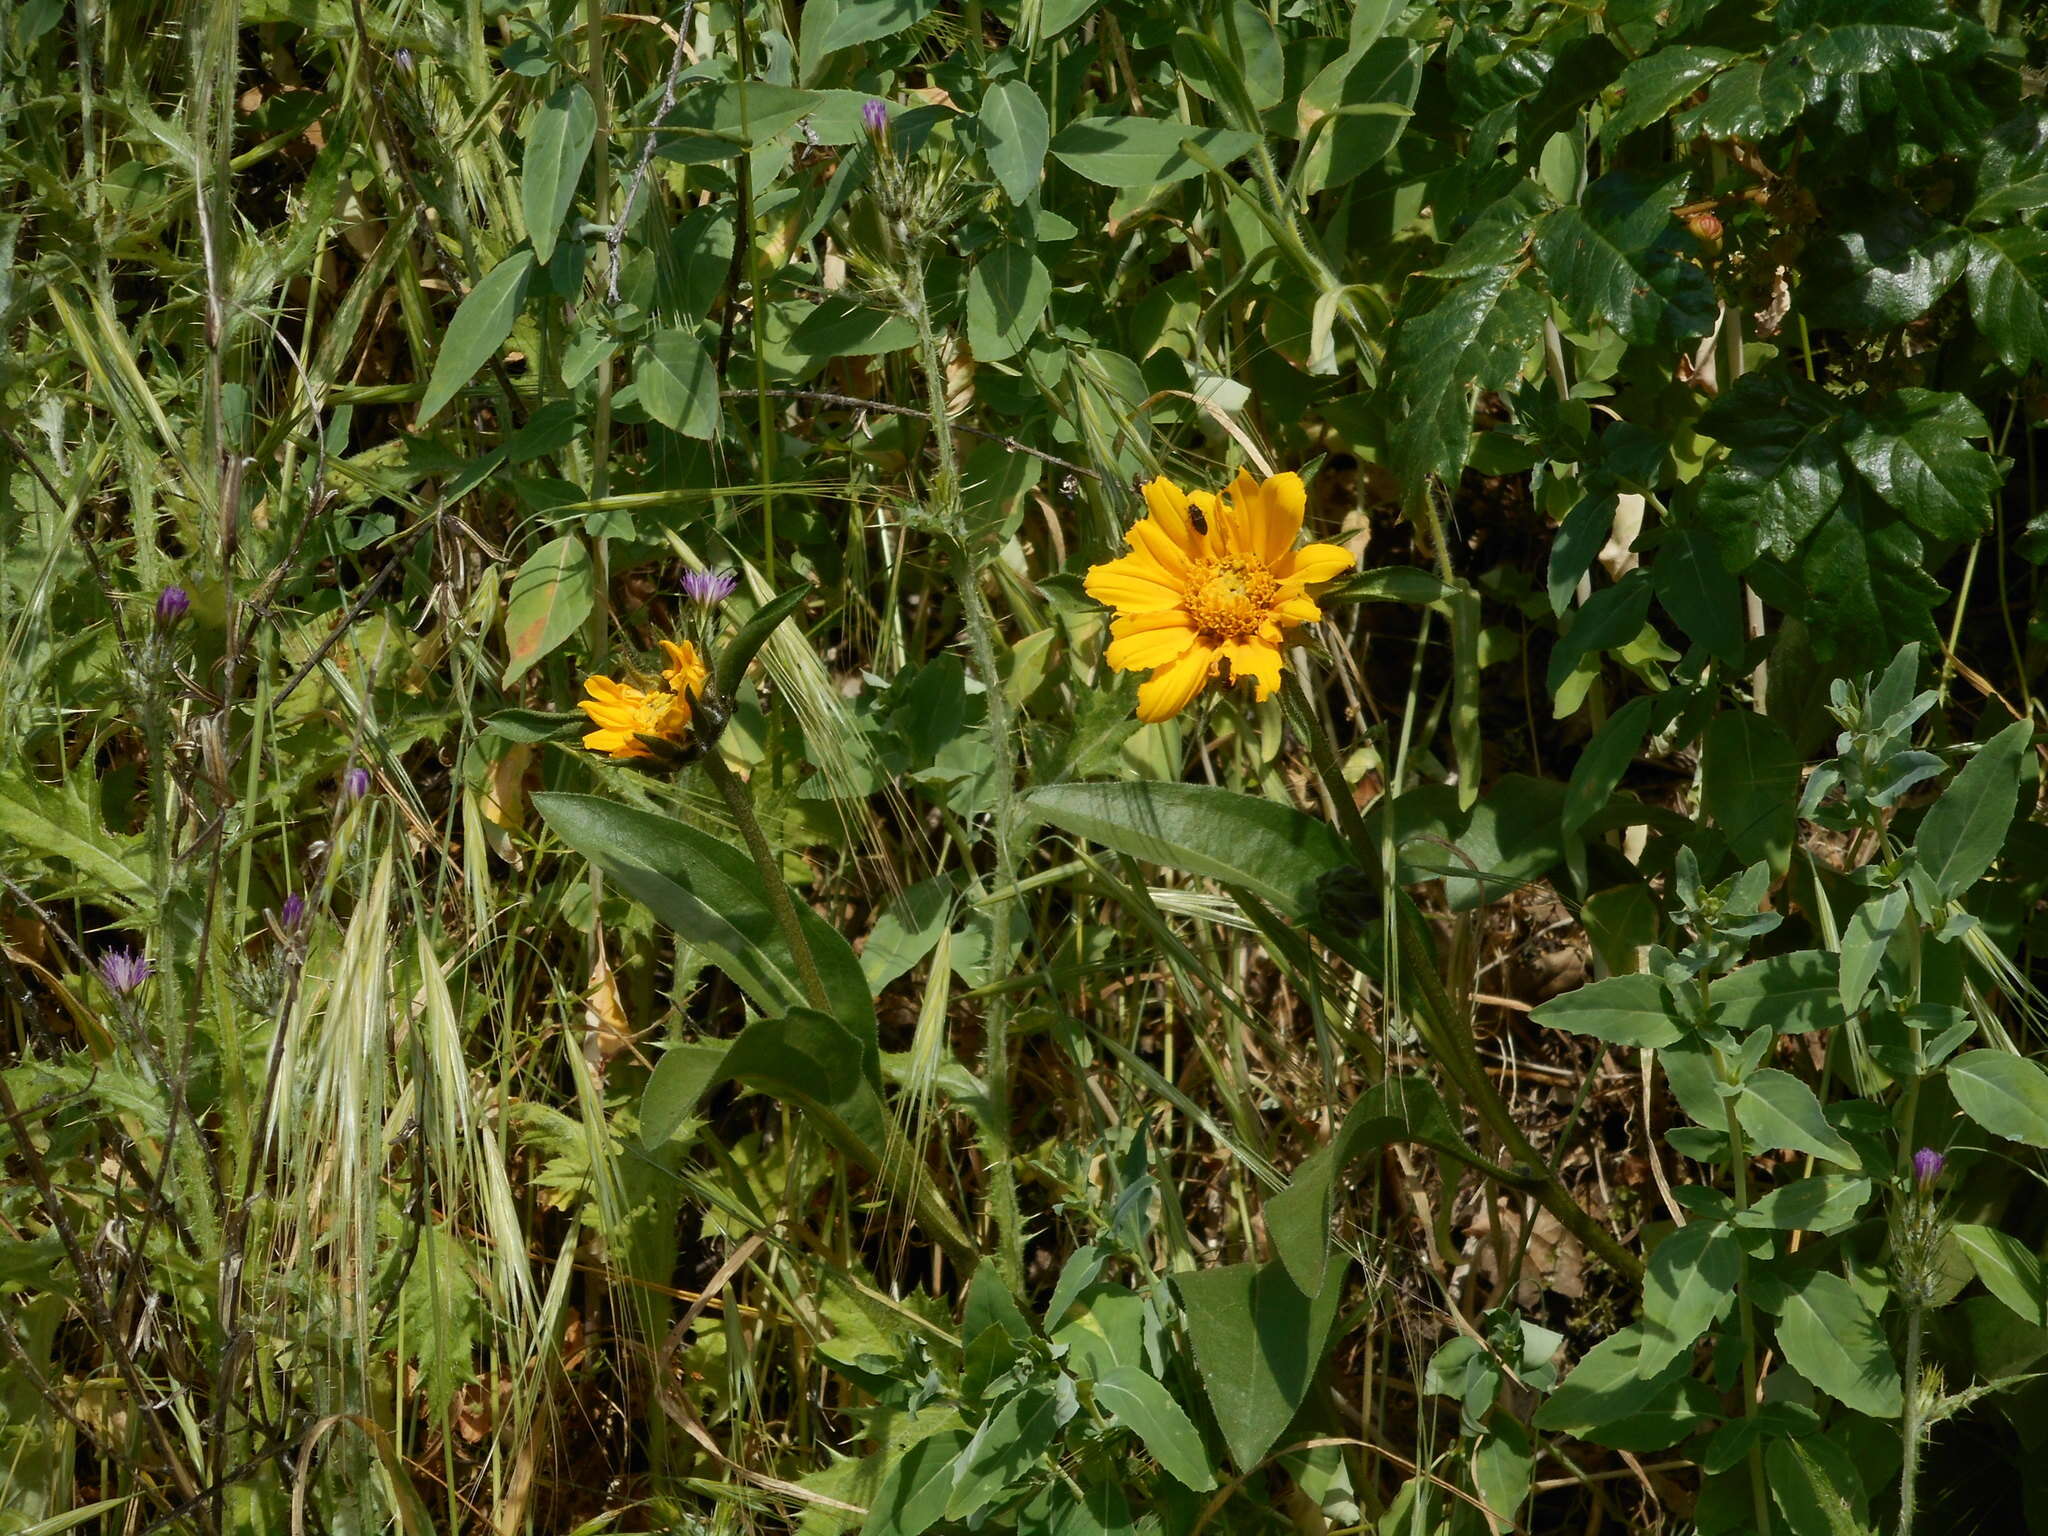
1230	598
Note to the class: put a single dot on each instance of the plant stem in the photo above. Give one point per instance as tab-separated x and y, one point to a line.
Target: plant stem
981	645
741	806
1738	1158
1914	1427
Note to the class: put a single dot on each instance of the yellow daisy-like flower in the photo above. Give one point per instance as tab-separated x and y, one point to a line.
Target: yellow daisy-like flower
1212	581
624	714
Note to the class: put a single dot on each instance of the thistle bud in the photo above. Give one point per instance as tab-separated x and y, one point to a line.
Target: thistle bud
1927	1166
874	116
707	589
124	971
354	785
292	915
172	604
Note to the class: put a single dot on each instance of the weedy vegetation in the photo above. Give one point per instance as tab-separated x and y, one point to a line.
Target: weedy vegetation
1062	767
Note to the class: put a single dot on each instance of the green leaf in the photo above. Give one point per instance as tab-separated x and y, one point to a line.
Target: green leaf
1104	1328
1864	942
551	597
1390	584
1815	1492
1622	1010
1961	836
56	822
1606	758
1656	83
676	1086
1436	355
1832	1339
1608	1400
1258	1342
1580	538
558	141
1749	774
1914	448
1148	1410
864	21
2010	1270
2006	274
1006	1446
1272	850
1700	593
1791	994
1821	1202
678	386
1783	473
1014	134
812	1062
1749	100
1883	267
1482	852
738	653
839	327
2005	1094
1780	1111
1620	259
1143	151
1611	617
912	1498
1006	295
1366	98
482	322
1688	1287
710	893
717	119
1867	586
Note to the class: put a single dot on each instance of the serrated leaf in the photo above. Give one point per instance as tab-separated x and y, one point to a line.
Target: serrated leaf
1015	133
1687	1288
1435	358
1832	1339
678	385
1882	268
1620	259
2005	1094
1749	100
1141	1405
1622	1010
558	143
1656	83
1914	449
482	322
1783	473
1961	836
551	597
1006	294
54	821
1143	151
2006	274
1779	1111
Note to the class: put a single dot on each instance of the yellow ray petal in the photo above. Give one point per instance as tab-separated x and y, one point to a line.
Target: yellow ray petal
1168	504
1240	529
1256	660
1134	584
1169	689
1209	507
1151	540
1277	521
1149	640
1297	610
1315	562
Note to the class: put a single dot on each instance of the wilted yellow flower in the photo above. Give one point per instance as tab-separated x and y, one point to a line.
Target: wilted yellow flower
624	714
1212	582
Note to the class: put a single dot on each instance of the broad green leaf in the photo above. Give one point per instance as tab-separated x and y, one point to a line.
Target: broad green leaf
1748	100
1148	1410
1688	1287
912	1498
1103	1328
2010	1270
54	822
812	1062
1960	837
550	598
1832	1339
676	1086
678	386
1233	55
1820	1202
1580	538
1816	1493
839	327
1864	942
2007	278
1483	852
558	142
1363	100
2005	1094
1006	1446
482	322
1006	295
1783	472
1914	448
1866	583
716	119
1780	1111
738	653
1622	260
1749	775
1143	151
1654	84
1886	265
863	21
710	892
1390	584
1272	850
1610	618
1258	1342
1697	589
1436	356
1014	134
1622	1010
1607	1400
1606	758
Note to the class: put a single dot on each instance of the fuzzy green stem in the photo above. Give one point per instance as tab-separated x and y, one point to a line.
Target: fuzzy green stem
1738	1158
981	646
741	806
1914	1428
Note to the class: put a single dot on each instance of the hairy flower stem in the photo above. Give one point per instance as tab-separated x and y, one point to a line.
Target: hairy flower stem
1914	1429
741	805
951	517
1738	1158
1437	1017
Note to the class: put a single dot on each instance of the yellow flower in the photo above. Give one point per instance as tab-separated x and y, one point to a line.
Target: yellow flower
624	714
1212	582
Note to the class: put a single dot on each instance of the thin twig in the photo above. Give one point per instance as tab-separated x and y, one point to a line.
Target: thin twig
855	402
668	101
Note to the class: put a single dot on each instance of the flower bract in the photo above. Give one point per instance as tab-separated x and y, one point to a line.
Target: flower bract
633	721
1212	583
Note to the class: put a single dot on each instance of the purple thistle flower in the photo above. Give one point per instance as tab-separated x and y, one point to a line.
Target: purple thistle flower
874	116
707	589
124	970
355	784
1927	1166
293	913
172	604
